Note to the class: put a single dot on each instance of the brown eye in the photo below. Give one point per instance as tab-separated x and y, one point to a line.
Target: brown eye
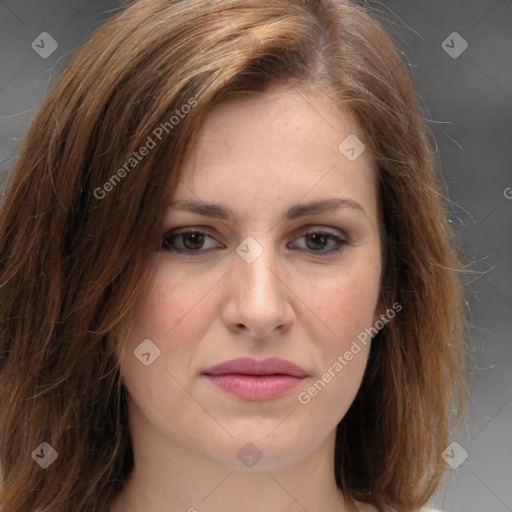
185	241
317	241
193	242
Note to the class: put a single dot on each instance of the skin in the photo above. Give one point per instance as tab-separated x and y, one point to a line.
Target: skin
258	157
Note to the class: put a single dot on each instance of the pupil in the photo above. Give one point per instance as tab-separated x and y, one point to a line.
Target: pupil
188	236
316	236
194	241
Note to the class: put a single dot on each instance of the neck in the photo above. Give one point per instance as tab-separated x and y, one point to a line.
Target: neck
171	477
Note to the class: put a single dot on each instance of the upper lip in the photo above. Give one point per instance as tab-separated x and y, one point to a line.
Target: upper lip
250	366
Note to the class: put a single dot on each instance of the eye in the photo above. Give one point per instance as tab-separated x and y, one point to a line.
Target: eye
190	240
317	240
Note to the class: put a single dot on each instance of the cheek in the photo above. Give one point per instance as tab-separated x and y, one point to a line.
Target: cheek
173	309
346	301
345	305
170	313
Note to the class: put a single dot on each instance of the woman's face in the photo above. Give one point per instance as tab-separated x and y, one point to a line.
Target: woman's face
279	279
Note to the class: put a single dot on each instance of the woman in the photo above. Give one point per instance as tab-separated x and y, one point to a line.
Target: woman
228	279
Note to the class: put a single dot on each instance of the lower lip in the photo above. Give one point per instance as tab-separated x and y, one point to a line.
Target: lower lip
253	387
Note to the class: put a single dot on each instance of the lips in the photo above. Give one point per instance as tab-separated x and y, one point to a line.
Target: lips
253	379
250	366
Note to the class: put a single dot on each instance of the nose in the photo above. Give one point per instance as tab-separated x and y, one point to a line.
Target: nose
259	297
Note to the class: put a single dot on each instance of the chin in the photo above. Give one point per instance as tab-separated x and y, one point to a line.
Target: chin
263	447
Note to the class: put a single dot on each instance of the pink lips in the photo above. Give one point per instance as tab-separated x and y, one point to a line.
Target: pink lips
256	379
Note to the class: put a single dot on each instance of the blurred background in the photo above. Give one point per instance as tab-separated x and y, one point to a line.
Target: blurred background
460	53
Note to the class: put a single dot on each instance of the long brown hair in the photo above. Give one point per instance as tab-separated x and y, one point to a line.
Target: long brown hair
76	232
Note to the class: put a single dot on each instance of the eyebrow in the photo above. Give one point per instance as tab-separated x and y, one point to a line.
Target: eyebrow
219	211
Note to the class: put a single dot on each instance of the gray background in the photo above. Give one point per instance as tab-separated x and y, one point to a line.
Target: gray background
469	103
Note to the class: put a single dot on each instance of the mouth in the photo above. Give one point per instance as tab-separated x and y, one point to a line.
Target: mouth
253	379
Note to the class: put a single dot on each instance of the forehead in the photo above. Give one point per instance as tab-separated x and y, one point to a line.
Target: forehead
280	147
280	116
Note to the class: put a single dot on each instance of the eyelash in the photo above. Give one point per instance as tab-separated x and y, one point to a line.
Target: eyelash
171	236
